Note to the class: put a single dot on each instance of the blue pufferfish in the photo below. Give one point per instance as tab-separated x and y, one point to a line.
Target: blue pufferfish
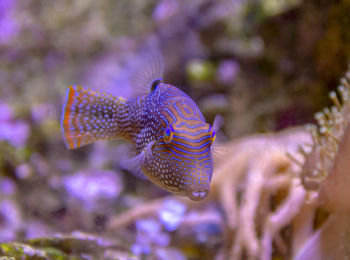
173	142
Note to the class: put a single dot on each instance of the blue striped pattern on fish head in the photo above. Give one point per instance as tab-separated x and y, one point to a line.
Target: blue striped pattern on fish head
182	159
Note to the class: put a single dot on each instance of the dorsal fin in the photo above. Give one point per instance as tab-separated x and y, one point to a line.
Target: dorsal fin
148	73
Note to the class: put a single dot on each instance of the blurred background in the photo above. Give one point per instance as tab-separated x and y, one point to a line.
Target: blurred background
263	65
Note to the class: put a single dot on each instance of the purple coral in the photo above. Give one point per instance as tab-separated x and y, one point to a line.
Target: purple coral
8	25
172	214
5	112
165	9
10	220
227	71
15	132
93	187
7	186
149	233
41	112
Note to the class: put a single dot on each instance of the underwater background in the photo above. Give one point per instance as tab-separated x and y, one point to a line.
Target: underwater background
280	184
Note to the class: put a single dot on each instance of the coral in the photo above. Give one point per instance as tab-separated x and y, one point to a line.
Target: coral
257	184
258	187
94	189
170	220
13	131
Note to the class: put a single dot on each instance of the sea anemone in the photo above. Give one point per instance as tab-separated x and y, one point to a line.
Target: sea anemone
327	166
327	172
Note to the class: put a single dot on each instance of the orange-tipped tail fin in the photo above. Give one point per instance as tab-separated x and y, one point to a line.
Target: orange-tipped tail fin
89	116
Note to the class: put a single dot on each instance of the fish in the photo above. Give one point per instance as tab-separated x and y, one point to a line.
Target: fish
172	140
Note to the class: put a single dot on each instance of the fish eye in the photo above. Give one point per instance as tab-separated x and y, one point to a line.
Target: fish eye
168	134
212	134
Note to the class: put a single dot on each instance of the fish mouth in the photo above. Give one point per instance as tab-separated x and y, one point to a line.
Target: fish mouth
197	194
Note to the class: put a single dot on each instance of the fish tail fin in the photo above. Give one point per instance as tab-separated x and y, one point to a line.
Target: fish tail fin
89	116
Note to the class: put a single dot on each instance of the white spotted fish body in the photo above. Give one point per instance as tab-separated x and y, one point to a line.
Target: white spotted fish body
172	139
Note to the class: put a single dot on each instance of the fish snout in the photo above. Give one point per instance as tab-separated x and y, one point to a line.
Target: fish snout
197	194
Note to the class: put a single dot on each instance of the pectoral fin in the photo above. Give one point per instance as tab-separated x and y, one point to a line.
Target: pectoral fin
134	164
217	147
